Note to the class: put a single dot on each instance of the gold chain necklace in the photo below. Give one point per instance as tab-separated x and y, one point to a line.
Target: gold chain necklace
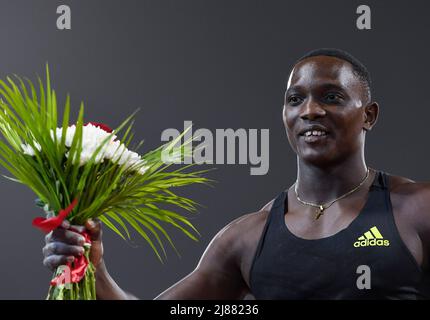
322	207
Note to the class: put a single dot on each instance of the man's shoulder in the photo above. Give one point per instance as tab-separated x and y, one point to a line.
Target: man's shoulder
234	245
410	199
245	229
251	220
411	205
409	189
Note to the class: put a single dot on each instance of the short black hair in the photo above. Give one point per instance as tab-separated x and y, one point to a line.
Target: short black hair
359	68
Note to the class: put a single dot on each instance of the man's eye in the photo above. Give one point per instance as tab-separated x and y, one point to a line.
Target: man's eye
333	97
294	100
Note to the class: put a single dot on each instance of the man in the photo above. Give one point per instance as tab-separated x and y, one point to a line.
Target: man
342	231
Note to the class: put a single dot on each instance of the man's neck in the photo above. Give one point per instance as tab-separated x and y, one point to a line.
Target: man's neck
322	184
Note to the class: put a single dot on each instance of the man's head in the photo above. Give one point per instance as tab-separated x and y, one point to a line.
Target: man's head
329	95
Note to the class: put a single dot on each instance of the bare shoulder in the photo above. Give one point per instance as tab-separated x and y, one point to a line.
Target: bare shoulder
410	191
233	242
411	200
237	241
240	230
236	244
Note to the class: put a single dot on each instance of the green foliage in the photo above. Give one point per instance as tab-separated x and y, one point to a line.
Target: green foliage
118	196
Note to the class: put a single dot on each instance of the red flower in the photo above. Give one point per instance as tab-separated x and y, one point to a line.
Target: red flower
101	126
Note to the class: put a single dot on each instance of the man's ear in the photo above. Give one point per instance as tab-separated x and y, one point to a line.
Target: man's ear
371	112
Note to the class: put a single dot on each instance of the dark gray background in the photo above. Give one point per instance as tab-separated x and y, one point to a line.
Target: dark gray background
221	64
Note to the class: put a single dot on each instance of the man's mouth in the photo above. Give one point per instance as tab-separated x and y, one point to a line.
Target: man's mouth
314	136
316	133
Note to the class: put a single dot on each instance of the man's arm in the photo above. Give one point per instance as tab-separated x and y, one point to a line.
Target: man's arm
217	275
225	264
65	243
107	288
420	214
411	208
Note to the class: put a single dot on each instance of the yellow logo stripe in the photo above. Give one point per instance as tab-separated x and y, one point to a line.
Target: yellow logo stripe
376	232
369	235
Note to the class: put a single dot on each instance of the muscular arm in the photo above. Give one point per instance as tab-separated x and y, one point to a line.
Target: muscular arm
107	288
220	273
411	208
224	267
217	275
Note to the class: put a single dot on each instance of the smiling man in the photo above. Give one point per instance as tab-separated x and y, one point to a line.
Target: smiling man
338	218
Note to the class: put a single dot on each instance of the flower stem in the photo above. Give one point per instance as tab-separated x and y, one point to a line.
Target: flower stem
83	290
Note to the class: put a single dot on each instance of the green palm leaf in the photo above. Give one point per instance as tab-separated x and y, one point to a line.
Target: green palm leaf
120	197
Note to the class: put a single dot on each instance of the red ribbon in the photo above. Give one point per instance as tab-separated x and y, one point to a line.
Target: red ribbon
101	126
75	270
49	224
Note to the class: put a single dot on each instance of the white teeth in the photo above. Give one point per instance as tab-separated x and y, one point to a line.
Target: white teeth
314	133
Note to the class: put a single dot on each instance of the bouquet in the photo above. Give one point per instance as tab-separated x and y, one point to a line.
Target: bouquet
83	170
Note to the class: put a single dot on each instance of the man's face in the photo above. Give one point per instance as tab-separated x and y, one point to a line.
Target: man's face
324	92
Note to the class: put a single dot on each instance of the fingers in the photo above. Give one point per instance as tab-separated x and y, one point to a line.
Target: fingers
59	248
54	261
65	224
58	253
79	229
70	234
65	236
94	227
65	243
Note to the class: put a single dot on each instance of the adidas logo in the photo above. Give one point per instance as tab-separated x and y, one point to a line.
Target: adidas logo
372	238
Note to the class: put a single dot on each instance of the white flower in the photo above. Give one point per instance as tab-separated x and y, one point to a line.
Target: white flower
143	169
92	138
118	153
70	134
28	149
114	150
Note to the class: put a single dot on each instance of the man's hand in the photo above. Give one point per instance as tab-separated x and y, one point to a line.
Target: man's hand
65	243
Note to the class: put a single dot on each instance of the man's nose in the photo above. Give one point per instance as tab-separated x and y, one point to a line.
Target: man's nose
311	109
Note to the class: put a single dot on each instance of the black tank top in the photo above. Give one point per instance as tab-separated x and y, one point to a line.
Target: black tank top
288	267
